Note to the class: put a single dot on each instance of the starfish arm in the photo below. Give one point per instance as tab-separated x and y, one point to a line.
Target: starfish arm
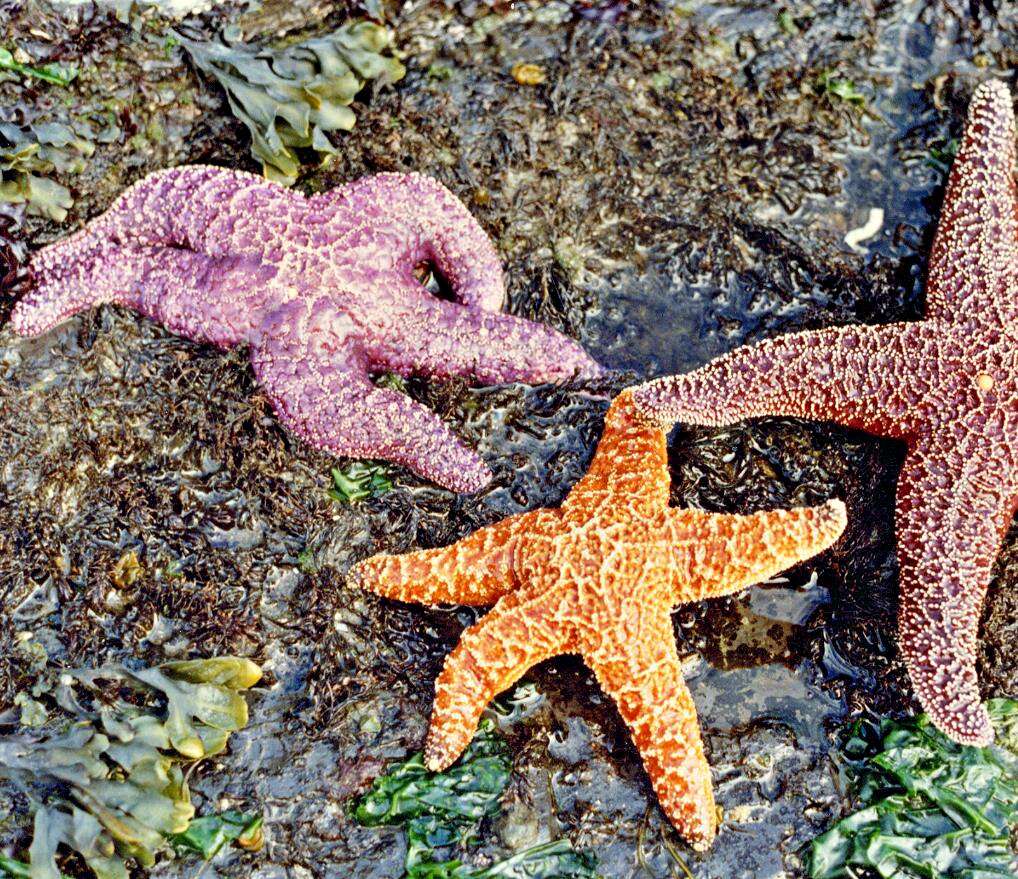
208	299
325	397
973	271
854	375
491	656
638	666
720	554
475	570
449	340
441	231
216	211
630	466
951	517
216	215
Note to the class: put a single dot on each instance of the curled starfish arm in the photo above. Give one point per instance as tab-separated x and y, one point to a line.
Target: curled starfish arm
973	271
951	519
441	232
852	375
721	554
448	340
491	656
478	569
638	666
326	398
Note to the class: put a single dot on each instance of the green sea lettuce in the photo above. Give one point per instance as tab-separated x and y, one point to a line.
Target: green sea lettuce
106	774
929	808
290	98
443	810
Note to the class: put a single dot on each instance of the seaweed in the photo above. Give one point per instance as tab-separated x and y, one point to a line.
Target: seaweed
929	807
207	836
28	153
106	776
290	98
444	810
359	481
51	73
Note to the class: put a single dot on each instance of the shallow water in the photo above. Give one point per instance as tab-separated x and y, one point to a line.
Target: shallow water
678	187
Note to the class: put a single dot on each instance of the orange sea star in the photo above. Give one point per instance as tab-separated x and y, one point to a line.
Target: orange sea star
599	576
947	385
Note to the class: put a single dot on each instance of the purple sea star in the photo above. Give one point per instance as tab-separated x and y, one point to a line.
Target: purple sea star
324	291
947	385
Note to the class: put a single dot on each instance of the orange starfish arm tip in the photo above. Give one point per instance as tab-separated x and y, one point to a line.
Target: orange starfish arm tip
644	676
743	550
492	655
476	570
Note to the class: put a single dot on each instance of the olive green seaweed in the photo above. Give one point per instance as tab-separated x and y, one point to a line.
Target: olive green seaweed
28	154
106	775
291	97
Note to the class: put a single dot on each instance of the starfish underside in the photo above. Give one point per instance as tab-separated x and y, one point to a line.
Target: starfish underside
947	386
324	291
599	576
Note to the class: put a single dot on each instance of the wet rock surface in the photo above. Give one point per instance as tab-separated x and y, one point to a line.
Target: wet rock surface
679	184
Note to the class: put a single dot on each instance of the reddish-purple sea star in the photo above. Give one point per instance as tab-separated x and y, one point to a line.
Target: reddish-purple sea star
324	291
947	385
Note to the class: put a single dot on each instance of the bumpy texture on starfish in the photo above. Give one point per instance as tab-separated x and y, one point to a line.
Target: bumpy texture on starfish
324	291
599	577
947	385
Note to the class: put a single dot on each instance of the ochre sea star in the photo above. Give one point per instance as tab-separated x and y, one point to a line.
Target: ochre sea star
324	291
947	385
599	576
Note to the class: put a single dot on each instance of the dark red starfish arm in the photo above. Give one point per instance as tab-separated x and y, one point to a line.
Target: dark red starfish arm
857	376
974	260
953	510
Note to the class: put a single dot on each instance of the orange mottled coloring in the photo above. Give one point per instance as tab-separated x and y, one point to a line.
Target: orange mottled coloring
599	576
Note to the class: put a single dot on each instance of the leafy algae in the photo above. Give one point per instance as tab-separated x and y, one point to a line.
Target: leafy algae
930	808
106	776
292	97
443	810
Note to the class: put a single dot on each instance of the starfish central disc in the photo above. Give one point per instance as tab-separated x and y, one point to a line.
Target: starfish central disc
599	576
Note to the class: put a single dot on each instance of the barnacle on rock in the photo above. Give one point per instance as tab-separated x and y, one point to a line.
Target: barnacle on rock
28	153
291	97
111	785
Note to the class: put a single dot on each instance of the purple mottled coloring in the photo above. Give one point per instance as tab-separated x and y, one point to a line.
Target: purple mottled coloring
324	291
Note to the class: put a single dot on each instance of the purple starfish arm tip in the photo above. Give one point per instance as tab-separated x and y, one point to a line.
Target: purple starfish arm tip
323	289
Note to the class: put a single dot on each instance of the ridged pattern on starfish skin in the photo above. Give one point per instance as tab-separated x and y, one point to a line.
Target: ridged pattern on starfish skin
599	576
947	385
323	290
